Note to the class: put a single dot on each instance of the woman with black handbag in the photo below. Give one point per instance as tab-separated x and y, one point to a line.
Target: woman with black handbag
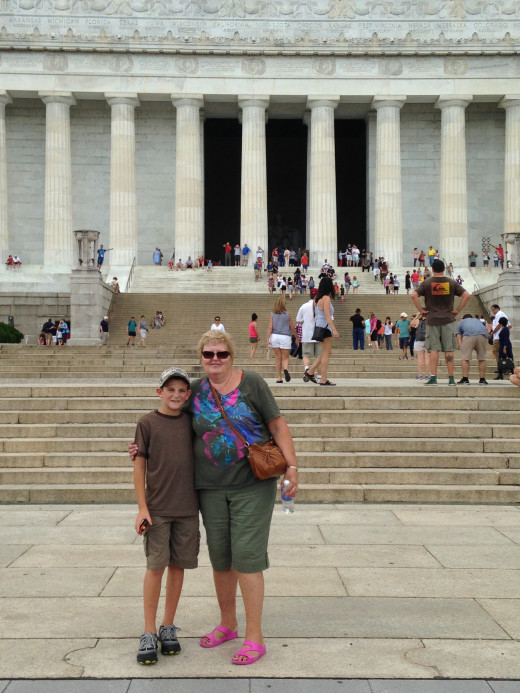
324	330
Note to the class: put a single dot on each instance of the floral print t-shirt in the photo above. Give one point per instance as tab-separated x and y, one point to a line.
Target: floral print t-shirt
220	456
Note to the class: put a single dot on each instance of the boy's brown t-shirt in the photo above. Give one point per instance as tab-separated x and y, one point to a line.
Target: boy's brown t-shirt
166	442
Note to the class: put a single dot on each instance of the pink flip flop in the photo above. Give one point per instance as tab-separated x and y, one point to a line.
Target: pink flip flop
215	642
252	650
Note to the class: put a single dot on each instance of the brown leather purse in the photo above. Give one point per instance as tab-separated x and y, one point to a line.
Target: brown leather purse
265	460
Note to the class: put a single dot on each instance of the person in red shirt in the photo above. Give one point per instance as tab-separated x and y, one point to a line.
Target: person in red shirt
227	253
500	251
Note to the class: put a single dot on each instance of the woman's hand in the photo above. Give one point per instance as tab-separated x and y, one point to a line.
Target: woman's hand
133	449
291	475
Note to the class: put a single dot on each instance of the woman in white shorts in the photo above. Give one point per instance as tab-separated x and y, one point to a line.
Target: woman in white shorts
279	337
423	356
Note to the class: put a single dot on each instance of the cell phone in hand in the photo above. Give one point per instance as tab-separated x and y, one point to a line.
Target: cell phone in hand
143	526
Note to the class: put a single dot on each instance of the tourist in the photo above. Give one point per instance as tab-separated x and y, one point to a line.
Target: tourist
473	259
348	282
253	335
355	285
9	263
324	318
415	257
270	282
115	286
471	336
403	325
358	335
245	255
48	331
500	251
217	325
414	324
311	283
168	508
101	255
103	331
407	282
375	325
189	263
396	285
279	337
423	356
132	330
304	262
237	251
179	265
416	278
171	263
143	331
422	258
290	288
227	254
505	349
156	258
439	293
387	331
485	259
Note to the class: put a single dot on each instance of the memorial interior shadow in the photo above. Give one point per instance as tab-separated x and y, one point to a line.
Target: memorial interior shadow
286	152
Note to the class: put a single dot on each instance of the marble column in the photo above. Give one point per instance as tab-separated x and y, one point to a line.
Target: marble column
59	241
323	231
388	213
253	194
453	231
123	187
189	190
512	164
4	215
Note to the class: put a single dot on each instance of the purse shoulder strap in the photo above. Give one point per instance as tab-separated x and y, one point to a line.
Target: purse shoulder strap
219	403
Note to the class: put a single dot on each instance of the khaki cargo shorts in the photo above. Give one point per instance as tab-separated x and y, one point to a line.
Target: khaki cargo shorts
172	541
440	338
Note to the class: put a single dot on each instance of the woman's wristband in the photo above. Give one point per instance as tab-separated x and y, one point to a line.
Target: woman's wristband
292	466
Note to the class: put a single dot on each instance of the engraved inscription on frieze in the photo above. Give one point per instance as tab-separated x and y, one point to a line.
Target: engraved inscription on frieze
456	66
55	62
254	67
390	67
120	63
187	65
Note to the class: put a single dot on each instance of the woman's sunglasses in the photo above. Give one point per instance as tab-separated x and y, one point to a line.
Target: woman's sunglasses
221	355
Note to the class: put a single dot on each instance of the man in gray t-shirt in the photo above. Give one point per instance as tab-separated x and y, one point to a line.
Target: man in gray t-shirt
471	336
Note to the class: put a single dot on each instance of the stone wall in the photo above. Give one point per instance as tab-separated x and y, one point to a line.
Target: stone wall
31	310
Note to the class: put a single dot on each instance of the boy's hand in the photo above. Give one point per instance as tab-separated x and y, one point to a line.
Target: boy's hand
142	515
133	450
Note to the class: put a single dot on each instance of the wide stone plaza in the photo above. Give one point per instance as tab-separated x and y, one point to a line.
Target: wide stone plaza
377	592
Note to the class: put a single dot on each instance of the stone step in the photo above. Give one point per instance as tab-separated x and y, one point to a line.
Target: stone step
308	493
315	460
334	476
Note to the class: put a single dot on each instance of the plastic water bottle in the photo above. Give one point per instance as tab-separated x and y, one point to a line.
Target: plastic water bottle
287	501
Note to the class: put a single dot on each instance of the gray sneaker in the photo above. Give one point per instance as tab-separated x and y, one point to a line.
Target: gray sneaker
147	649
168	639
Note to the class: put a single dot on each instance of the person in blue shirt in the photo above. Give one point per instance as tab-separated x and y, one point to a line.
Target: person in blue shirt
403	325
505	349
101	255
472	335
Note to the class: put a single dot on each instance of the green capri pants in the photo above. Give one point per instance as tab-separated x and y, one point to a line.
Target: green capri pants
237	523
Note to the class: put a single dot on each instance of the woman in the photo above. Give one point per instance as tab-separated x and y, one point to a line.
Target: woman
253	335
374	328
355	285
388	333
311	283
290	288
143	331
423	356
270	283
279	337
414	324
236	507
323	314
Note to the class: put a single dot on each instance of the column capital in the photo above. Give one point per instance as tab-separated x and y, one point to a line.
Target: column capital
317	101
253	100
509	100
446	101
381	101
5	98
187	100
65	97
126	99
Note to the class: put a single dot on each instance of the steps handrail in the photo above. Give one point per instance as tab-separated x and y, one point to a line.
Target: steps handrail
130	276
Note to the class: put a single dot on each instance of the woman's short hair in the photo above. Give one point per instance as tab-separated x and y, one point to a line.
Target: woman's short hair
216	337
254	316
280	305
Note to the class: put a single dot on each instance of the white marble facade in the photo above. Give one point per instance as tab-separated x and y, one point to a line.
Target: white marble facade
102	108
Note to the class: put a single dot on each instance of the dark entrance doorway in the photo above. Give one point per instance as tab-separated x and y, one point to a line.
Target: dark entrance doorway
286	183
222	164
351	174
286	151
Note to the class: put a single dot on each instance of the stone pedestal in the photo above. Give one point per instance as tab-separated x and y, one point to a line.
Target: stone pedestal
58	243
89	301
453	231
388	220
323	232
123	188
253	196
189	192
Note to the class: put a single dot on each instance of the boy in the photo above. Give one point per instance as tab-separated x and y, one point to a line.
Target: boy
167	500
